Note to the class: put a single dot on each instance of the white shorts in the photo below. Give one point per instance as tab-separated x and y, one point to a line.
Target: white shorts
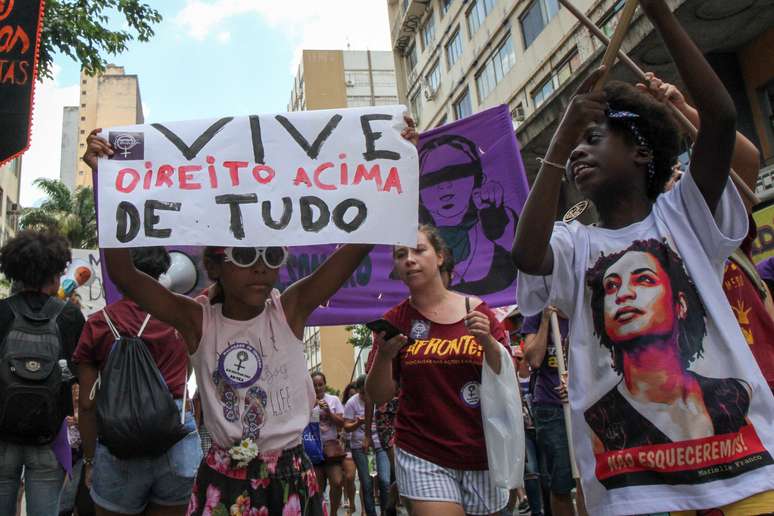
419	479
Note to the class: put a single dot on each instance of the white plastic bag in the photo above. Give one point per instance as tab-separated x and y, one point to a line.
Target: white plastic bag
503	423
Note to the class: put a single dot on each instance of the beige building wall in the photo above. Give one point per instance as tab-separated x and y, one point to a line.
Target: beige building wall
331	79
9	199
337	354
106	100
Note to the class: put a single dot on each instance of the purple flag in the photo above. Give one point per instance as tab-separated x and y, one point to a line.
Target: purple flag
472	187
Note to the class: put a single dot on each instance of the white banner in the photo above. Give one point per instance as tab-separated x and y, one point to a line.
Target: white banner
313	177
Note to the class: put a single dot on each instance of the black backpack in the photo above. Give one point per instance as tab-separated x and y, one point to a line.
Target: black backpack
136	414
31	384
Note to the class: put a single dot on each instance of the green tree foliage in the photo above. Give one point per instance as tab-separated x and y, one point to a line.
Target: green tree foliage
360	335
71	214
81	30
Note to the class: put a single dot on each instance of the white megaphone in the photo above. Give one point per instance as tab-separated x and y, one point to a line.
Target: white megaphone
182	276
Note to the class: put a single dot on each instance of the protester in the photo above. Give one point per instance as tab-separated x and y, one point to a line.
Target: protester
362	445
331	422
348	464
747	293
643	294
532	484
158	484
257	459
33	438
550	430
440	454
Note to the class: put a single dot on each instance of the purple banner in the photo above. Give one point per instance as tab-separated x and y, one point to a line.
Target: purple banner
472	187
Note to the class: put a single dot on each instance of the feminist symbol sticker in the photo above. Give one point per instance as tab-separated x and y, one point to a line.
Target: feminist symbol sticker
240	365
470	394
130	144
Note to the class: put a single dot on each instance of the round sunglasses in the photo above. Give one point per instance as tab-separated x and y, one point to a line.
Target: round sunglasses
273	257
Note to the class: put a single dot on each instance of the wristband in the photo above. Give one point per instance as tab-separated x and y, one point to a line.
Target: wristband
544	162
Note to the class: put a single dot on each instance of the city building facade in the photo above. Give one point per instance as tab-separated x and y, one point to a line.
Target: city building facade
10	175
330	79
106	100
68	164
454	58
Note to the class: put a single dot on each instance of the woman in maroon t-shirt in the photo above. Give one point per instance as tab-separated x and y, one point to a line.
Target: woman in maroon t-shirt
440	453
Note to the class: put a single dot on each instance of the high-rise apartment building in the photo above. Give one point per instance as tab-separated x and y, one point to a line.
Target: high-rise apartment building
68	164
329	79
455	57
10	175
109	99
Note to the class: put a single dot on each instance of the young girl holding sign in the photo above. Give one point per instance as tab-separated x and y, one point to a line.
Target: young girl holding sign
661	373
246	349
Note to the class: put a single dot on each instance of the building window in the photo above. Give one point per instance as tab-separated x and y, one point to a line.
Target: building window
556	78
610	21
442	121
463	108
83	119
536	17
416	106
477	14
445	4
428	31
454	48
84	81
83	105
433	78
495	68
83	92
411	57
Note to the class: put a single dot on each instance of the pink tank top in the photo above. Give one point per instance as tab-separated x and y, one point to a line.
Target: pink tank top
253	379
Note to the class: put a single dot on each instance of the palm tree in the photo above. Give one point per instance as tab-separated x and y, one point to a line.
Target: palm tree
71	214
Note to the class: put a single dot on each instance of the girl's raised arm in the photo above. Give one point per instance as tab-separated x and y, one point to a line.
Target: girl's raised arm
179	311
531	251
301	298
714	146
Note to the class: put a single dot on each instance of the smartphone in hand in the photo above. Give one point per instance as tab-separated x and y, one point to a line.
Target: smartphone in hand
383	326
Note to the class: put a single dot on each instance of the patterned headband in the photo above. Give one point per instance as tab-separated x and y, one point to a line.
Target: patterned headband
630	119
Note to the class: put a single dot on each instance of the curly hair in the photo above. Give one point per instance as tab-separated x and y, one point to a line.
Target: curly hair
692	329
656	124
35	258
153	261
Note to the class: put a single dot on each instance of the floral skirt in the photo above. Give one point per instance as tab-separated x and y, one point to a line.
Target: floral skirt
273	484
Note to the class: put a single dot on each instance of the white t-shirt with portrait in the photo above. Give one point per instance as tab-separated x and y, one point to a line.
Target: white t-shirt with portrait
622	288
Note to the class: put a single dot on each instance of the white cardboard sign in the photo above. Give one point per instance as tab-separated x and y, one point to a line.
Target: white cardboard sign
314	177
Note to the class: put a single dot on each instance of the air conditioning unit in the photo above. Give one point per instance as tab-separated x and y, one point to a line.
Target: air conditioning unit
517	113
428	92
350	83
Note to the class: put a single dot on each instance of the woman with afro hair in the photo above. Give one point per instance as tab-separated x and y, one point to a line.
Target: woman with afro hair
34	262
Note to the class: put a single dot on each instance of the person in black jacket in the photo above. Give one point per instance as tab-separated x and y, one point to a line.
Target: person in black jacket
34	261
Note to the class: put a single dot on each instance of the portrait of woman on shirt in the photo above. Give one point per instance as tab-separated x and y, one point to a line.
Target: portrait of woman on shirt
647	312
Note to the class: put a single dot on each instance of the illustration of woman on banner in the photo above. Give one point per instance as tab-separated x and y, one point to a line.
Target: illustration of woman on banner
647	312
468	209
